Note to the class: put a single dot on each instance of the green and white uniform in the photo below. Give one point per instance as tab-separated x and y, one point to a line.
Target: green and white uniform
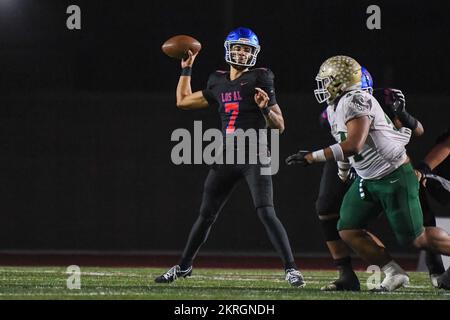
384	150
384	183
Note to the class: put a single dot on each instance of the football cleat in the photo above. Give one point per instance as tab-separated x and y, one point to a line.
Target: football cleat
344	283
295	278
434	280
392	282
173	274
443	281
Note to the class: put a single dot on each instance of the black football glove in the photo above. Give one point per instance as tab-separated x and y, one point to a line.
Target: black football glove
298	158
399	102
396	101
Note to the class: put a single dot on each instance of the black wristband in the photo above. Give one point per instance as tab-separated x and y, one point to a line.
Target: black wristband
187	71
266	111
408	120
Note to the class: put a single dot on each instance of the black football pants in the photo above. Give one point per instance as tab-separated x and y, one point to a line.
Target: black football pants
219	184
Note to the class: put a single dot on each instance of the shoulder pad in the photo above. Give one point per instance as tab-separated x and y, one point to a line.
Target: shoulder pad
357	99
356	93
217	74
263	70
264	73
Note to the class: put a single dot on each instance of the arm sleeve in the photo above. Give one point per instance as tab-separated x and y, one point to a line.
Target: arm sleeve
266	82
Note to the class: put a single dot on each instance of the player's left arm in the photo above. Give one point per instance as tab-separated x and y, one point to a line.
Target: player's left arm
434	158
438	154
357	132
272	114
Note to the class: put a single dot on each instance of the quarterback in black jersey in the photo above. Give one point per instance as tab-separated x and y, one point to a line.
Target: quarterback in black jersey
245	100
235	99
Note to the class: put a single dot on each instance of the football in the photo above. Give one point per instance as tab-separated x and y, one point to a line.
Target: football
178	46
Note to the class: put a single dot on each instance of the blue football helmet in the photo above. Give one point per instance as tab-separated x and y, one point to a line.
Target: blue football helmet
366	80
243	36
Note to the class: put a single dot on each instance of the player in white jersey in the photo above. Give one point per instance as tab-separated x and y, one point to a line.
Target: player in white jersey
386	181
384	149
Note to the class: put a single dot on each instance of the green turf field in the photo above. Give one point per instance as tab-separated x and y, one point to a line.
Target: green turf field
137	283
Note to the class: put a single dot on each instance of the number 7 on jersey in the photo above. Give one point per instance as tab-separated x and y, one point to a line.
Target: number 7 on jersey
233	108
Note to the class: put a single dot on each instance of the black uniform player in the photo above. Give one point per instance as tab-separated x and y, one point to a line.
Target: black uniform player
436	162
245	100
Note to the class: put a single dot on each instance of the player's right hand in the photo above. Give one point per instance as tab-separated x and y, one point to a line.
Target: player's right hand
189	61
298	158
398	104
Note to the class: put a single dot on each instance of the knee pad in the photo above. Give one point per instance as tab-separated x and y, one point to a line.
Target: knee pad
329	228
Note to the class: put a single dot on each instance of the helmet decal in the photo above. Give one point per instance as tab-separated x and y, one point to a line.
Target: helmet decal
366	80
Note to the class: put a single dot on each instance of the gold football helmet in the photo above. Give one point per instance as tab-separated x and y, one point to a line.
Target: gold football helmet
337	75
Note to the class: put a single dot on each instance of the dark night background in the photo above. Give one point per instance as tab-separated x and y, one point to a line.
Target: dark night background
86	116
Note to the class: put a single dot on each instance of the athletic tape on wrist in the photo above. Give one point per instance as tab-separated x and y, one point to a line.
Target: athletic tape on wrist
319	156
337	152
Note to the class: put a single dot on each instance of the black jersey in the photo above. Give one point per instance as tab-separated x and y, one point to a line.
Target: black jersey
235	99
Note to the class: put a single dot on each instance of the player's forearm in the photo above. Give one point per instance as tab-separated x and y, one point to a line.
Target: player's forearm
348	150
274	117
417	128
439	153
275	121
183	89
338	152
358	130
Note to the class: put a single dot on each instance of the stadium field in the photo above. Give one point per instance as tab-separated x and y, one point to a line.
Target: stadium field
205	284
